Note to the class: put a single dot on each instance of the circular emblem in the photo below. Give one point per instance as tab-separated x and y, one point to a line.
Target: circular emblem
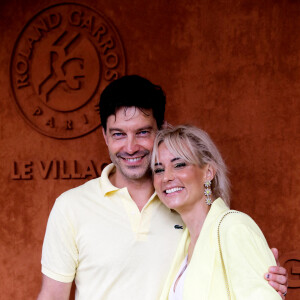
62	60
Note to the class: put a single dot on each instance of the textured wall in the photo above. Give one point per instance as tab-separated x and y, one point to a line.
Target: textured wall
230	67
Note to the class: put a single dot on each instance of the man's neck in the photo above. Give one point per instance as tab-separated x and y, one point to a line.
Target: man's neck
140	189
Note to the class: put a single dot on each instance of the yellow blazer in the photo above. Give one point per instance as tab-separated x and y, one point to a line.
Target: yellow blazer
246	254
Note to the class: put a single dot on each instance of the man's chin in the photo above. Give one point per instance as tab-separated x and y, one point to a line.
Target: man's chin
135	176
136	172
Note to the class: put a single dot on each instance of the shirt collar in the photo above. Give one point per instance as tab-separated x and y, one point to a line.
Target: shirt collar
105	183
108	187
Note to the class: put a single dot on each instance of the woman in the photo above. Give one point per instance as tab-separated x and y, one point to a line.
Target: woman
222	255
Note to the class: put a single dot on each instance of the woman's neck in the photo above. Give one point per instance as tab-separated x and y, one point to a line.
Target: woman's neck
194	219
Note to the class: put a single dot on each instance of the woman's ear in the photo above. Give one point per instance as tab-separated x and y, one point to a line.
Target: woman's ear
209	173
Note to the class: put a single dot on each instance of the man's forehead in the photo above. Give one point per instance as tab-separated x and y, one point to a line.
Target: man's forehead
133	111
131	119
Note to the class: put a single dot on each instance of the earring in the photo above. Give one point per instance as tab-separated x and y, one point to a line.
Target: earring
207	192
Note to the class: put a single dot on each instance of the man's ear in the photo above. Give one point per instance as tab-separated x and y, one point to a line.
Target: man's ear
104	135
209	173
165	125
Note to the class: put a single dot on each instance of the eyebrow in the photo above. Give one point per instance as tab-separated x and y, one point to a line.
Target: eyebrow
144	128
139	129
114	129
174	159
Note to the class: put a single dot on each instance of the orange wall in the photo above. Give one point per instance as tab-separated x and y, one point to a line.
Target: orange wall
230	67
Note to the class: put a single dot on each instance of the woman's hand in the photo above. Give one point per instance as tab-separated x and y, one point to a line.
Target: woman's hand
277	277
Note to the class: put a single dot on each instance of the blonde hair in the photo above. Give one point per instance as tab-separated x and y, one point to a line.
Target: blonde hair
196	147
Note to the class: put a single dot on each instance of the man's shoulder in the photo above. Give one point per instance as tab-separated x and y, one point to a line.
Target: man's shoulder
88	189
88	192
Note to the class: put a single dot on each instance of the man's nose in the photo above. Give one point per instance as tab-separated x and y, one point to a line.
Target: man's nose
131	145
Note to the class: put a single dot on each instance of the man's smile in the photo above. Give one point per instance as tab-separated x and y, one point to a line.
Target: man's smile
135	158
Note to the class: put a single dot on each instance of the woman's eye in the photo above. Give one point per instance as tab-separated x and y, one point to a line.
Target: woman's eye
180	165
157	171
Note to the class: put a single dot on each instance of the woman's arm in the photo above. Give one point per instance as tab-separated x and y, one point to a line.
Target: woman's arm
246	256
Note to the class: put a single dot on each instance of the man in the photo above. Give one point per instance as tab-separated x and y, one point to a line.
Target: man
112	235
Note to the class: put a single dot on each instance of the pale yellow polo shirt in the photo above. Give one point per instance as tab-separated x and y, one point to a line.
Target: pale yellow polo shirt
97	236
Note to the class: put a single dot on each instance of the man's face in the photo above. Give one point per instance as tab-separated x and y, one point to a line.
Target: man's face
129	136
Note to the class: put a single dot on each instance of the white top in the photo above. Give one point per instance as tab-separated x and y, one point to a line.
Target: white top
178	294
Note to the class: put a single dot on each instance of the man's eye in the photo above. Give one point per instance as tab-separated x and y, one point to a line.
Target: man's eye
118	134
159	170
180	165
144	132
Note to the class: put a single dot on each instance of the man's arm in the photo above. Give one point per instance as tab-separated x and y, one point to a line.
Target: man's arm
277	276
59	254
54	290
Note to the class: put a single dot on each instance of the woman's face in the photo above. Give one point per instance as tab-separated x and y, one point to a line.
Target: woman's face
179	185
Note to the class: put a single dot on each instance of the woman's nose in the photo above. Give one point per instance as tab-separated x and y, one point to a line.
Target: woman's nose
168	175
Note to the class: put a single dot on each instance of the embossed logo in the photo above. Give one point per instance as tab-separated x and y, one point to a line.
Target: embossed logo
62	61
291	261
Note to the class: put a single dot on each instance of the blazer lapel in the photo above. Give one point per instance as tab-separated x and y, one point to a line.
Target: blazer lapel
199	272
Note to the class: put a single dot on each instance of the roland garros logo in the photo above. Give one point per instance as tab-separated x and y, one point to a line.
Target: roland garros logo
62	61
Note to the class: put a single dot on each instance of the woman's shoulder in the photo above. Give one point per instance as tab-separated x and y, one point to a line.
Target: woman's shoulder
234	220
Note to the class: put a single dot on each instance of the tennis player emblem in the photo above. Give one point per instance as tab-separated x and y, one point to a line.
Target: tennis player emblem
62	60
